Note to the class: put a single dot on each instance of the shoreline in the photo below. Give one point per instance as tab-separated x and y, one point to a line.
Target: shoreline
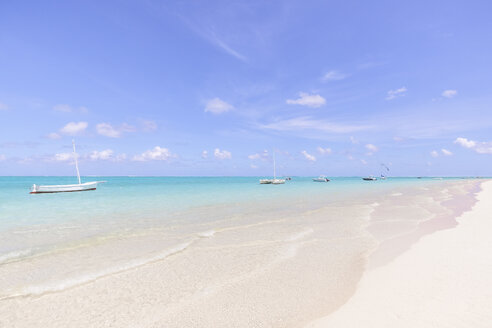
252	266
442	280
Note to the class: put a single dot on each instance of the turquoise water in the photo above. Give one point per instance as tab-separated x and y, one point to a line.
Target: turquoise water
159	197
52	242
131	203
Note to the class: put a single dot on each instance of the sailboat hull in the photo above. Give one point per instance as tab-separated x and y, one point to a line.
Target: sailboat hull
88	186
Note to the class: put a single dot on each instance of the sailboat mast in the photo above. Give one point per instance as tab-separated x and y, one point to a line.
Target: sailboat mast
76	163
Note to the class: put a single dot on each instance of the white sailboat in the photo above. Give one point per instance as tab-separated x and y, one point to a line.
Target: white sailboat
35	189
274	180
321	178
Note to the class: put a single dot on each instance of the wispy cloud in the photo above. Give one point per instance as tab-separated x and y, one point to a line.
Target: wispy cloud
306	99
101	155
353	140
221	44
61	157
392	94
324	151
263	155
107	130
148	125
449	93
333	76
217	106
2	157
480	147
53	136
308	156
434	153
3	106
446	152
211	36
74	128
310	124
204	154
69	109
371	148
222	154
155	154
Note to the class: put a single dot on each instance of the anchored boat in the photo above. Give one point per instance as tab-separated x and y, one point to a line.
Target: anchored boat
35	189
274	180
321	178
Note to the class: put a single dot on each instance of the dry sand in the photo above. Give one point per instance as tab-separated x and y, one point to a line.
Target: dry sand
444	280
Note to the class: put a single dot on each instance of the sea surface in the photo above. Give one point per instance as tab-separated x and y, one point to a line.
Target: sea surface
224	234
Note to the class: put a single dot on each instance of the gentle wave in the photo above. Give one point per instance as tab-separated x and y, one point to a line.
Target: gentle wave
77	281
15	255
206	234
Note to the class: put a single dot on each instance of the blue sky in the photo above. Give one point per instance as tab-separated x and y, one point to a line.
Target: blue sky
214	87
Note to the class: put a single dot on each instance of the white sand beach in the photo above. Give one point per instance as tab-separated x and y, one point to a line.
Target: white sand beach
444	280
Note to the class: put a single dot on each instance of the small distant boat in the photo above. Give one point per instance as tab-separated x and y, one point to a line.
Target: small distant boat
274	180
48	189
369	178
288	178
321	178
383	177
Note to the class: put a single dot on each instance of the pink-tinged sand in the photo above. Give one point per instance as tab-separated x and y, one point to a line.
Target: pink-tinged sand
444	280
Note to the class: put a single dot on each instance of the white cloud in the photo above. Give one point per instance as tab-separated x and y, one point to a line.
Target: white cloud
107	130
69	109
465	142
62	157
263	155
392	94
363	161
449	93
484	148
305	99
323	151
217	106
3	106
101	155
204	154
155	154
477	146
254	156
253	166
307	123
372	148
446	152
353	140
333	76
308	156
2	157
74	128
434	154
53	135
222	154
